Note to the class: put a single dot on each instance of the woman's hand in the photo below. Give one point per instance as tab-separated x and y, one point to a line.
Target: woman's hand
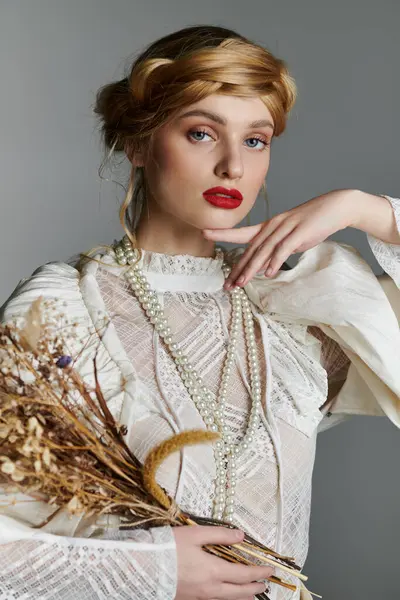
297	230
203	576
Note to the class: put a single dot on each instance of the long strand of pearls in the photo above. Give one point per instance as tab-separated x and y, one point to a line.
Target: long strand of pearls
212	412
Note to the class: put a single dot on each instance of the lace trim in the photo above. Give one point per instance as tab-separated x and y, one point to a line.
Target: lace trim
180	264
388	255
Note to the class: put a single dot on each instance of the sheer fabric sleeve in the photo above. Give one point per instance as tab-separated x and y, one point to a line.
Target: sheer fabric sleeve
340	369
333	358
72	559
388	255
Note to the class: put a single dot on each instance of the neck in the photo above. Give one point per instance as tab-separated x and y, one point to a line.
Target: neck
164	234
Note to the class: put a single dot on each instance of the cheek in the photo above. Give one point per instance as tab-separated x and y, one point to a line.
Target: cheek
258	175
175	163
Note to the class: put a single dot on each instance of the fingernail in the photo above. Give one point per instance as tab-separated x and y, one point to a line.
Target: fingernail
227	285
240	280
239	534
269	271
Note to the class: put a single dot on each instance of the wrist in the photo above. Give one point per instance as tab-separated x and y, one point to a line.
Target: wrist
355	200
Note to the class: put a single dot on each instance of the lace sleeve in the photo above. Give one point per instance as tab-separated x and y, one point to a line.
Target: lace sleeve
141	565
388	255
64	564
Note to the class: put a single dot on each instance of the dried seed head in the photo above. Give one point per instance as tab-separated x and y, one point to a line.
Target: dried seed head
75	506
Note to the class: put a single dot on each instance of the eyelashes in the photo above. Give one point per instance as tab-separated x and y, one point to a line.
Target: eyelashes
265	142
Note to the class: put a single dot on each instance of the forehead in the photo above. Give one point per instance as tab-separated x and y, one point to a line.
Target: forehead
230	111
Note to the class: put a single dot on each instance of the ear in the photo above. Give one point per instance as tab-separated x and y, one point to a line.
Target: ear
135	157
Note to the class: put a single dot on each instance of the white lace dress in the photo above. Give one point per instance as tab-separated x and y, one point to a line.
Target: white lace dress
309	365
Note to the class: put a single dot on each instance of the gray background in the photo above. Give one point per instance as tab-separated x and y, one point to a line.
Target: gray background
344	132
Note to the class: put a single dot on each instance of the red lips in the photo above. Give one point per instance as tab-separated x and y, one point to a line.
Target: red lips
221	190
233	201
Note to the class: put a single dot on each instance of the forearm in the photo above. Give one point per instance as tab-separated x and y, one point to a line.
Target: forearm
374	215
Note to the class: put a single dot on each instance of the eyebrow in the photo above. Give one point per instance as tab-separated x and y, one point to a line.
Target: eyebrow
214	117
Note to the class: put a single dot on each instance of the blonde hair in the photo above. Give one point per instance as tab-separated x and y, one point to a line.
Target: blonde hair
175	71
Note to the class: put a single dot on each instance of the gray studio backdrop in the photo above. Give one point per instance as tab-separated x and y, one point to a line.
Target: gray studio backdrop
344	133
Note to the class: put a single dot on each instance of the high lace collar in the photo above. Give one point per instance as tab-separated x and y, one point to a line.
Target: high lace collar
178	272
180	264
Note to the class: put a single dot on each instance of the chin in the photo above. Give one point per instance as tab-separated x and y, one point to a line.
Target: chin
220	219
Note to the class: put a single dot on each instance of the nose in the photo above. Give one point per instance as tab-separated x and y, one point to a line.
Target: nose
230	164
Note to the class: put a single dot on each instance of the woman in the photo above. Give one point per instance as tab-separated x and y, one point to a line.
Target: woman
274	352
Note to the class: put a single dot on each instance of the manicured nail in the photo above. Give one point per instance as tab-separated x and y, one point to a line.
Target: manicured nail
240	280
239	534
269	271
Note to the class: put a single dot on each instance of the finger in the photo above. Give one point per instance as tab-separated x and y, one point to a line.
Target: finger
241	574
265	251
230	591
210	534
289	246
238	235
266	233
242	262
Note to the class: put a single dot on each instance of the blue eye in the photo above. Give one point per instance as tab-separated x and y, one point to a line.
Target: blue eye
199	131
264	142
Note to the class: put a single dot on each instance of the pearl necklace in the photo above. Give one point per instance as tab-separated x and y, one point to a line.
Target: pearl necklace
212	412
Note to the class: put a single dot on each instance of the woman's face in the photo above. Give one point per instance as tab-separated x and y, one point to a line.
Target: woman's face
219	141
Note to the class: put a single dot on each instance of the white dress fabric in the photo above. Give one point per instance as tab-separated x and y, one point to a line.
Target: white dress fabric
328	344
